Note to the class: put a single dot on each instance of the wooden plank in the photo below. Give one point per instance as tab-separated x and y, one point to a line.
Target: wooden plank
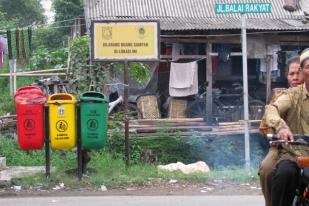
199	134
34	75
191	124
184	120
169	124
170	129
181	128
145	121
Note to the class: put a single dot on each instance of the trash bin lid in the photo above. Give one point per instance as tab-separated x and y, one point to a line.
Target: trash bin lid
93	96
28	89
63	98
29	95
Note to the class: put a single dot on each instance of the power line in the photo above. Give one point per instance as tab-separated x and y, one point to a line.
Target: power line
37	26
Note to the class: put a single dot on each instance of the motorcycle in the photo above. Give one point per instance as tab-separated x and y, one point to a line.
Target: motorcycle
302	192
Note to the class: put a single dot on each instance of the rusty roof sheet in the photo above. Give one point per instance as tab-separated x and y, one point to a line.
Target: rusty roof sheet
194	14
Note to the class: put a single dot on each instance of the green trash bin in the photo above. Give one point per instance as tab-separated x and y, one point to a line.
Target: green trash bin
93	119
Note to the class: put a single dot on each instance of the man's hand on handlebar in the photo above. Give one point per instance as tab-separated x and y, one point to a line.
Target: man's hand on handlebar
285	134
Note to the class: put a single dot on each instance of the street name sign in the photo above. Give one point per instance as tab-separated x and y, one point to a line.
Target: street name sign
226	8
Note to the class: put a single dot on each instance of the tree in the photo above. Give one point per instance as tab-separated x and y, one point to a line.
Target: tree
67	9
56	35
5	23
24	12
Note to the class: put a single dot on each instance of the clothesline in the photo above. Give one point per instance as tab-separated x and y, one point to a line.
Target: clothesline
177	61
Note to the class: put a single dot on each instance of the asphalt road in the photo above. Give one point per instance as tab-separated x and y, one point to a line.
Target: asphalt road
135	201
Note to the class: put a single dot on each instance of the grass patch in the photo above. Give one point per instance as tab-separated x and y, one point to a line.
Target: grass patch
232	174
104	169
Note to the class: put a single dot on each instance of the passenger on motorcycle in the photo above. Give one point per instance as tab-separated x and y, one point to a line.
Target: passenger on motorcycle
289	115
267	166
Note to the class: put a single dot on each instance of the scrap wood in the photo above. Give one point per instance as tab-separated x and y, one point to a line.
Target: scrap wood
158	129
168	124
186	121
8	116
153	121
7	121
192	126
195	134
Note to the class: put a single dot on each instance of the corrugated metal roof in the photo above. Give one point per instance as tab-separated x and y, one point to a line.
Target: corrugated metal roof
194	14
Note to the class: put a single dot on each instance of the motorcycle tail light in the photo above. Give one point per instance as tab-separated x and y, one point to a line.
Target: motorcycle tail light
303	161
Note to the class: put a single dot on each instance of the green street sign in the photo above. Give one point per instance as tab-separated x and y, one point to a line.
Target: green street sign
226	8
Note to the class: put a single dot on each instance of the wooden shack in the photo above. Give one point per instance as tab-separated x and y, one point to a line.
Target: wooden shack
194	31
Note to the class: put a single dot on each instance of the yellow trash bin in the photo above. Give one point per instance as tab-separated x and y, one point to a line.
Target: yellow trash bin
62	121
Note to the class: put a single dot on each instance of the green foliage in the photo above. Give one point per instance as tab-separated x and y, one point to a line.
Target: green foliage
116	146
7	106
48	38
17	157
67	9
24	12
45	59
65	13
169	149
4	23
220	152
85	76
56	35
137	71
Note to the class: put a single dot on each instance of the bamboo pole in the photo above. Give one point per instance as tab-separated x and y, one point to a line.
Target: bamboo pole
19	74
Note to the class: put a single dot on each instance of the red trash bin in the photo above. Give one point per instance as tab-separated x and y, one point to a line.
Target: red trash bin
29	101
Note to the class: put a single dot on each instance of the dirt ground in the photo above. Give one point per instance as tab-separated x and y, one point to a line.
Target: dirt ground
171	187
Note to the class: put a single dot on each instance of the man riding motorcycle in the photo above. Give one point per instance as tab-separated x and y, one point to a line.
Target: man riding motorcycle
289	115
267	167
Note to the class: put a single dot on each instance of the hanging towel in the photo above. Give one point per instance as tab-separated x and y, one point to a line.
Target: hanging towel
1	53
181	74
11	35
183	79
256	47
18	43
27	43
8	36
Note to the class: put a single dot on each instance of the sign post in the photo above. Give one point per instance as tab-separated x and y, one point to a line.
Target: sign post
245	88
244	8
125	41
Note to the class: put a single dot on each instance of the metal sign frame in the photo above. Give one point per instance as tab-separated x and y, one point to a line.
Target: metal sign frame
243	8
135	58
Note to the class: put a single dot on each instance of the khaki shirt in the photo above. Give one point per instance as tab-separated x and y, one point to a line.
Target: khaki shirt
290	109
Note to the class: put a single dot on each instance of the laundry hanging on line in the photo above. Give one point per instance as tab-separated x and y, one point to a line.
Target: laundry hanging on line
1	53
183	79
19	43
